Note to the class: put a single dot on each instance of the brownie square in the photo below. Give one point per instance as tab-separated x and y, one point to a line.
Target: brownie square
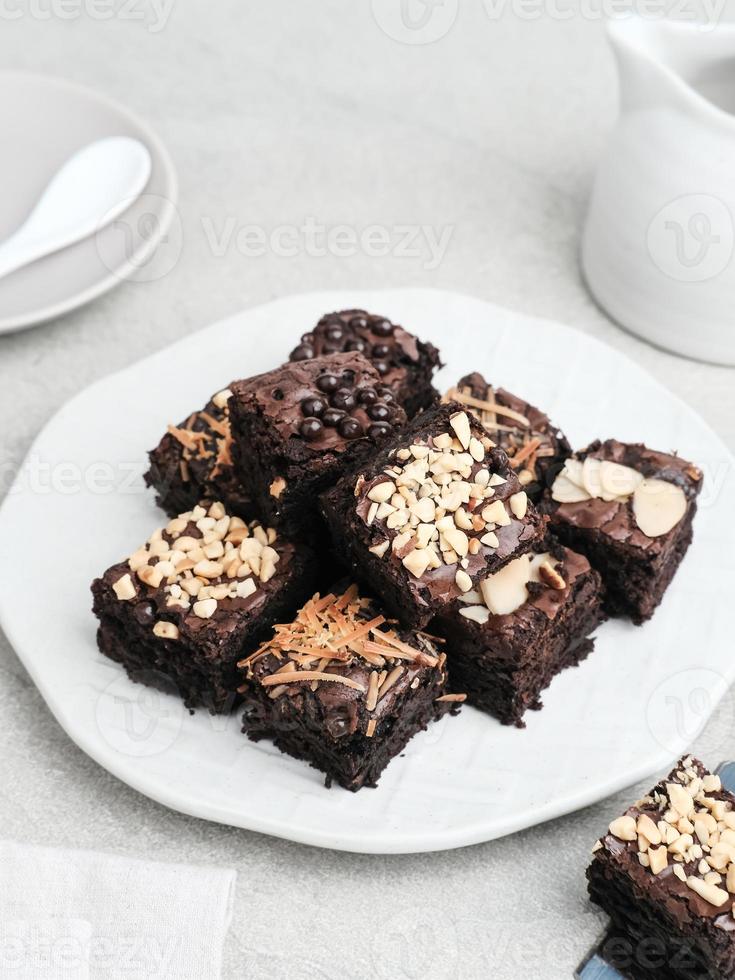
665	874
536	448
198	596
426	518
508	638
193	463
404	363
343	689
297	429
630	511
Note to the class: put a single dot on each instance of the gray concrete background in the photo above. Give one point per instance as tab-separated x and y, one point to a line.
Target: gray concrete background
275	113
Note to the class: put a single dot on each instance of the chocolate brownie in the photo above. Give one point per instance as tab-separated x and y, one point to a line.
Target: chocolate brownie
297	429
198	596
536	448
429	516
665	874
630	511
508	638
193	463
343	689
404	363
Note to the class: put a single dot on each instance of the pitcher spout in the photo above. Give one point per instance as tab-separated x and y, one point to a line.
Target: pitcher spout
675	64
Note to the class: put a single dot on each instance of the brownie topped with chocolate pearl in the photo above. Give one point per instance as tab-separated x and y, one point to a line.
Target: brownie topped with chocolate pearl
298	429
405	363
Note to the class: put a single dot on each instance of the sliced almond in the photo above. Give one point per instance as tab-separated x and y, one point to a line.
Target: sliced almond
478	614
617	480
566	492
591	476
658	506
506	591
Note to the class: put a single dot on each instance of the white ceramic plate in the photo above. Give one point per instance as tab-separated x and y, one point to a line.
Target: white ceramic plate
50	119
637	702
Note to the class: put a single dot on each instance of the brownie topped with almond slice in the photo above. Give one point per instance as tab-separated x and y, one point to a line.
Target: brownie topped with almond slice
629	509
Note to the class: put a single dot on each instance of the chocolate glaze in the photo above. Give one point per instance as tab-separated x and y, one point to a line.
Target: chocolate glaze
616	518
393	351
278	395
680	901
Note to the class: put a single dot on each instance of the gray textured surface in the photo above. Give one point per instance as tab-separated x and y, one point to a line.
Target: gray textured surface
273	113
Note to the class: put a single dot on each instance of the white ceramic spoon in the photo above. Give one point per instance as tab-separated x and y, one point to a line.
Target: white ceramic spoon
91	189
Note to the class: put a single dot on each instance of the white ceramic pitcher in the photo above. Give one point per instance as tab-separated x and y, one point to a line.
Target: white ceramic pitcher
658	249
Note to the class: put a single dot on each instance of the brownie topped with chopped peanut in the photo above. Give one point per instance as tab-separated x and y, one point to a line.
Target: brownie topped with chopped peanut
665	874
535	447
343	688
429	516
200	594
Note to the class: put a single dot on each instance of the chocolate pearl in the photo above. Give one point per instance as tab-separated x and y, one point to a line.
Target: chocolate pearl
381	367
303	352
344	398
367	396
313	406
348	377
498	460
359	322
356	345
311	429
380	350
379	430
335	331
333	416
383	328
379	412
350	428
327	382
386	394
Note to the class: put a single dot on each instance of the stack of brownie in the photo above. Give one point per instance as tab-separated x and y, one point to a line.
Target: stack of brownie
458	547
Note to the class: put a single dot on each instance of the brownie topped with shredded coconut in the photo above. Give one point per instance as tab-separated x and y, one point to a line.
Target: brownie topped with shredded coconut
344	688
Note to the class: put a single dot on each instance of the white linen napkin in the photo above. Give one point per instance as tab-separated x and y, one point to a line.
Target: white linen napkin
82	915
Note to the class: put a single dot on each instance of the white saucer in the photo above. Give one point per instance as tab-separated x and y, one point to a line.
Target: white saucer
627	711
46	120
